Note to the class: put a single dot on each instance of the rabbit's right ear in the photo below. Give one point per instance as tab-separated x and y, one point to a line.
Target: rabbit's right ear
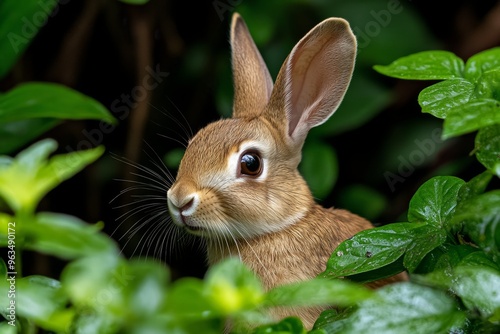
313	80
252	81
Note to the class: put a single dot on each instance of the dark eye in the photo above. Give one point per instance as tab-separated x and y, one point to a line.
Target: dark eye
251	164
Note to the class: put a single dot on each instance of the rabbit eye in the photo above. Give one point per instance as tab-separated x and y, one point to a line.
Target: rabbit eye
251	164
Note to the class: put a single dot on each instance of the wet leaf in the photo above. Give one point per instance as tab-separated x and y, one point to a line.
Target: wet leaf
476	186
480	218
471	116
474	285
444	258
426	65
482	62
412	309
488	85
435	201
442	97
487	147
376	248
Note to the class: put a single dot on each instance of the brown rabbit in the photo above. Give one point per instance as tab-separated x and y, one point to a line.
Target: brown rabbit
238	185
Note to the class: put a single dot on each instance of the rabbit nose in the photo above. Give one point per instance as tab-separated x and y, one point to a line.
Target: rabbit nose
188	205
185	205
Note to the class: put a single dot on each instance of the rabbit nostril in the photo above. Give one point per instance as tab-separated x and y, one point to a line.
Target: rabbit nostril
187	206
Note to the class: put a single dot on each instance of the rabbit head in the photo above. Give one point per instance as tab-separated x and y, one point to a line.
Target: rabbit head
238	177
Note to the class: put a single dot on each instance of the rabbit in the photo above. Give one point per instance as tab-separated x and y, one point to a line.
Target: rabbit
238	185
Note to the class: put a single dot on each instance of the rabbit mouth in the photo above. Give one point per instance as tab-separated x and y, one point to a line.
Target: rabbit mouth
188	225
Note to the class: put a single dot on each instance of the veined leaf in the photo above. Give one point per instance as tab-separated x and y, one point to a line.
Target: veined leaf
435	200
379	247
482	62
487	147
402	308
426	65
471	116
442	97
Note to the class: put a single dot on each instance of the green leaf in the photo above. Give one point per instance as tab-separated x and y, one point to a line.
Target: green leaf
41	299
3	269
488	85
471	116
482	62
66	236
426	65
187	299
232	287
435	201
13	135
333	320
49	100
319	166
487	148
478	258
291	325
476	186
442	97
476	285
5	328
28	177
90	323
477	288
381	246
19	27
319	292
146	291
404	308
480	218
97	282
444	257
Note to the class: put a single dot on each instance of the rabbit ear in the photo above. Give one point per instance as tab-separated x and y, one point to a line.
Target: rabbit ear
252	81
314	78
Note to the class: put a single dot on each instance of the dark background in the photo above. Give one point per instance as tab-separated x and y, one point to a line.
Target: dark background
103	47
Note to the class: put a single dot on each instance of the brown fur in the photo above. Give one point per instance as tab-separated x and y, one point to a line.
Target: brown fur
270	221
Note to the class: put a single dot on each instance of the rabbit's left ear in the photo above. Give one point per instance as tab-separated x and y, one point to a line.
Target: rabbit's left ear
252	81
314	78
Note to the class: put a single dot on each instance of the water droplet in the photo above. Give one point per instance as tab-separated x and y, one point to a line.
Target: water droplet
340	253
368	254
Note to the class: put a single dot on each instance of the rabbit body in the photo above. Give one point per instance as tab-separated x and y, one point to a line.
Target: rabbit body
238	185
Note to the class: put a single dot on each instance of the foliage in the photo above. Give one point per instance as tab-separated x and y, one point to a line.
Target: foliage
450	243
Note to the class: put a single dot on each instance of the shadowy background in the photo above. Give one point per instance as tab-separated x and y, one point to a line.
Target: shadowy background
163	69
